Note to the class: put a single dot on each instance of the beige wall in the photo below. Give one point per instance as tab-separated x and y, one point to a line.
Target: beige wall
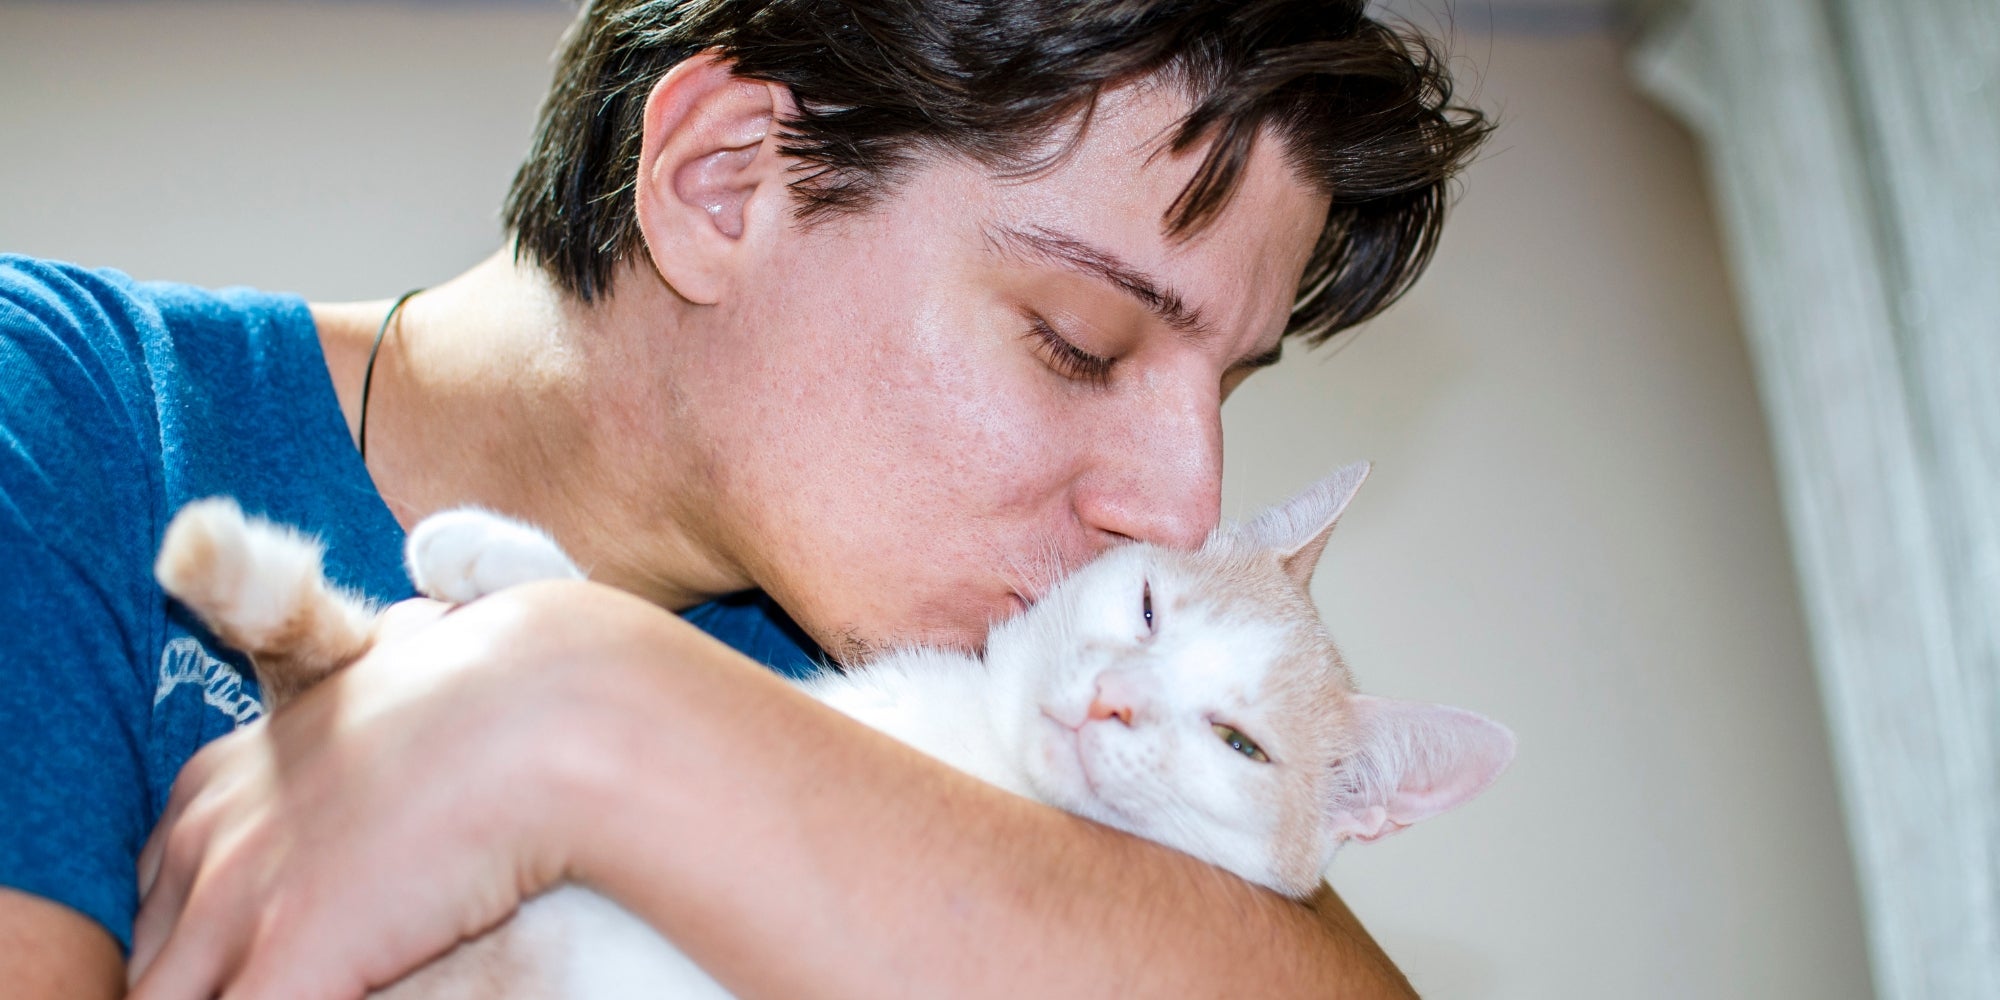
1572	527
339	150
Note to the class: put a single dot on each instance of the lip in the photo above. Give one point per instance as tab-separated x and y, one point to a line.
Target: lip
1073	736
1060	724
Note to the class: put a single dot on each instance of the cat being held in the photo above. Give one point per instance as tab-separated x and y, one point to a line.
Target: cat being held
1191	698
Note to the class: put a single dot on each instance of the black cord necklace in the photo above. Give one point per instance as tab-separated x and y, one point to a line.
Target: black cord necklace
368	376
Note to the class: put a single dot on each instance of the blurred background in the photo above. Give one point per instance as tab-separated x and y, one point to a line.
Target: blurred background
1611	507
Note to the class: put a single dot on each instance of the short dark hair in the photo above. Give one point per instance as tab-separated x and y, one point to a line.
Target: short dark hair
1364	112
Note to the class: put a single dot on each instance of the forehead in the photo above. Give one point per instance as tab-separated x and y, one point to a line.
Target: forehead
1238	593
1113	188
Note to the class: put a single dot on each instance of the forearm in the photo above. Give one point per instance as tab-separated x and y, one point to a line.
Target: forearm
49	951
795	853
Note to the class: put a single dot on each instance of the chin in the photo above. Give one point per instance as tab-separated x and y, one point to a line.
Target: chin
1059	777
854	643
1069	783
957	625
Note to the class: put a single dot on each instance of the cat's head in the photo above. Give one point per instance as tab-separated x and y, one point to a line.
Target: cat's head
1194	698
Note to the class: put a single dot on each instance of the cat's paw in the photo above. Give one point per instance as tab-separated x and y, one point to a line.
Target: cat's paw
462	555
242	576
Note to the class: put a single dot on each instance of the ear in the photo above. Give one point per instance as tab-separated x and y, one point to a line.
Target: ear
1298	528
1417	761
709	172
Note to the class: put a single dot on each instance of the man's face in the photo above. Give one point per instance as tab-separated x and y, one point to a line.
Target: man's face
906	419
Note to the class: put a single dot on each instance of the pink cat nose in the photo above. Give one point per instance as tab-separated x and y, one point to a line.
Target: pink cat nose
1117	694
1101	710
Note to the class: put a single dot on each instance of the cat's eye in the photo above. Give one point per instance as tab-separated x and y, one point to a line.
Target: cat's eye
1146	603
1240	743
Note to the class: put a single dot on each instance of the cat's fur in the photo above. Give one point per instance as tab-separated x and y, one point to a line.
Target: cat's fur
1116	697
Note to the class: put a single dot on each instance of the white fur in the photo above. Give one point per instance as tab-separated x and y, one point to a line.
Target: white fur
461	554
608	954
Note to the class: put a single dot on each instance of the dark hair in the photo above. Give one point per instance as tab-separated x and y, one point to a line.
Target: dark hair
1363	110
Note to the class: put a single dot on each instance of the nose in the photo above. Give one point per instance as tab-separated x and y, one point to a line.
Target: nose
1101	710
1117	696
1156	476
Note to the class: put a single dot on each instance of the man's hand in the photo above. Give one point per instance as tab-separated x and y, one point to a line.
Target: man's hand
358	832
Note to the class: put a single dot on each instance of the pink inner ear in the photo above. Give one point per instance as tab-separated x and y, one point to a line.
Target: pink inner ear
1298	528
1418	760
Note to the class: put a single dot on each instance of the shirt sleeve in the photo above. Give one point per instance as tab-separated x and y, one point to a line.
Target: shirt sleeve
78	602
755	626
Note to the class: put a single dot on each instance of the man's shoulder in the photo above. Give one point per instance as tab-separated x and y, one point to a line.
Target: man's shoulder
68	336
103	314
123	400
95	344
74	417
103	394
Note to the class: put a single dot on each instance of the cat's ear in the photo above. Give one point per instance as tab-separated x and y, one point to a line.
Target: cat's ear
1416	761
1298	528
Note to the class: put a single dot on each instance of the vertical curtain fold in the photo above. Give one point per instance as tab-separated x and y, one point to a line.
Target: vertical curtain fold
1854	151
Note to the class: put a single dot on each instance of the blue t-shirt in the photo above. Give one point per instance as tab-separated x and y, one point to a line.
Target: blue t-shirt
121	401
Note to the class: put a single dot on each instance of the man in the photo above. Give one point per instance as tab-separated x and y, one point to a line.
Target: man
883	311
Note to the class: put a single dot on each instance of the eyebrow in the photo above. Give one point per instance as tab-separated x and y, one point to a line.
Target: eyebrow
1068	251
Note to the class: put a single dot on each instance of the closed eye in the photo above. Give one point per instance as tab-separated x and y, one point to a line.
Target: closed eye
1068	360
1240	743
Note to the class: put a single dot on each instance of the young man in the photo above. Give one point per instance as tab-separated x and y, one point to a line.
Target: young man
885	311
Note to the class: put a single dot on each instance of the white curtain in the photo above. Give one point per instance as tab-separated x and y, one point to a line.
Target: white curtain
1854	149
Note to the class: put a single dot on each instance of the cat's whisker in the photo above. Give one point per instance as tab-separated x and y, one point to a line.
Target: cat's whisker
1031	576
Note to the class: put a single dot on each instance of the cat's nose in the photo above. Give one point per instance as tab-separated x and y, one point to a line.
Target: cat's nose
1119	694
1101	710
1114	697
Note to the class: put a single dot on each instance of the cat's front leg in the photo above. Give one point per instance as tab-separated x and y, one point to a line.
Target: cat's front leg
464	554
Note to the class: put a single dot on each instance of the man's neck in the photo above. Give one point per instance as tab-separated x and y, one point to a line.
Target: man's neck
498	390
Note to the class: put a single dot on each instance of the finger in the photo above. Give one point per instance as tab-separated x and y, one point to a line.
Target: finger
149	859
160	908
273	974
188	784
300	953
192	963
154	855
155	851
180	850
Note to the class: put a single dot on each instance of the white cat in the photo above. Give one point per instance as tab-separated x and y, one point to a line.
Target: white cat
1192	698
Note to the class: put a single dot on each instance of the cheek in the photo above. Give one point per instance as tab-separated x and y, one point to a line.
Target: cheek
964	403
886	387
894	456
1233	798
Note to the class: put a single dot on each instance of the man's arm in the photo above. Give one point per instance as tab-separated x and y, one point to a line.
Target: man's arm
51	952
565	730
794	853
